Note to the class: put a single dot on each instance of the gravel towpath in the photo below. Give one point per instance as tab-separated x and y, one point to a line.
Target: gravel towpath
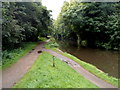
13	74
97	81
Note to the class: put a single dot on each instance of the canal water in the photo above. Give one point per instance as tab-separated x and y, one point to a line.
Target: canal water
107	61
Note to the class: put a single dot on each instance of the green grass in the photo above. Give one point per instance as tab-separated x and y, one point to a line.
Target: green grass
94	70
91	68
42	38
11	57
44	75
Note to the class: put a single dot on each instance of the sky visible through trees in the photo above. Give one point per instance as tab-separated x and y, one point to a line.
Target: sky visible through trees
87	24
54	5
93	24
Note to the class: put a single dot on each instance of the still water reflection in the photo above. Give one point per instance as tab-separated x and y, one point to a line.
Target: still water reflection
107	61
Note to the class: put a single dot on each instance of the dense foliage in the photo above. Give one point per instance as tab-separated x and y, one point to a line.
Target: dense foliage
92	24
10	57
23	22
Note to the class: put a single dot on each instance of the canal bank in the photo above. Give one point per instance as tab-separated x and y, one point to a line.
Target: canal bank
105	60
91	68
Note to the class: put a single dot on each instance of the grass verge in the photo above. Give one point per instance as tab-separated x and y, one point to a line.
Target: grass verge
91	68
11	57
42	38
44	75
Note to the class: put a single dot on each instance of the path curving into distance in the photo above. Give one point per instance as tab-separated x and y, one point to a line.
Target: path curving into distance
11	75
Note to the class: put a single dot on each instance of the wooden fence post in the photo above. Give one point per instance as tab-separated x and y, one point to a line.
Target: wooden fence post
53	61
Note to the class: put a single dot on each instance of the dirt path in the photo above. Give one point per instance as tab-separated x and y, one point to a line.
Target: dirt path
11	75
97	81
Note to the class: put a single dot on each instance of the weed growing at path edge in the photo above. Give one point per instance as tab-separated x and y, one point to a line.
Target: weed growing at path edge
11	57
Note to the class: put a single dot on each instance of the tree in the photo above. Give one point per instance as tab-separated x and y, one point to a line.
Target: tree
11	31
95	23
23	22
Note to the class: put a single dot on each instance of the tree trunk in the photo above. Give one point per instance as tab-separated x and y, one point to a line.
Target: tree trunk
78	41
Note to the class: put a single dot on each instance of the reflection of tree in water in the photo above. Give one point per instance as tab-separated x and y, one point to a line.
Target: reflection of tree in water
106	61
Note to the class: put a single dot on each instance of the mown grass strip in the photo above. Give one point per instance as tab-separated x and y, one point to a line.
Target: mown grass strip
44	75
91	68
94	70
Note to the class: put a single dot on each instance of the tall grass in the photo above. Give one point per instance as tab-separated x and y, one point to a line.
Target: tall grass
10	57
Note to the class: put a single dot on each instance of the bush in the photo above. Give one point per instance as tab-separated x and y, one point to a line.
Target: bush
42	38
52	43
9	57
84	43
